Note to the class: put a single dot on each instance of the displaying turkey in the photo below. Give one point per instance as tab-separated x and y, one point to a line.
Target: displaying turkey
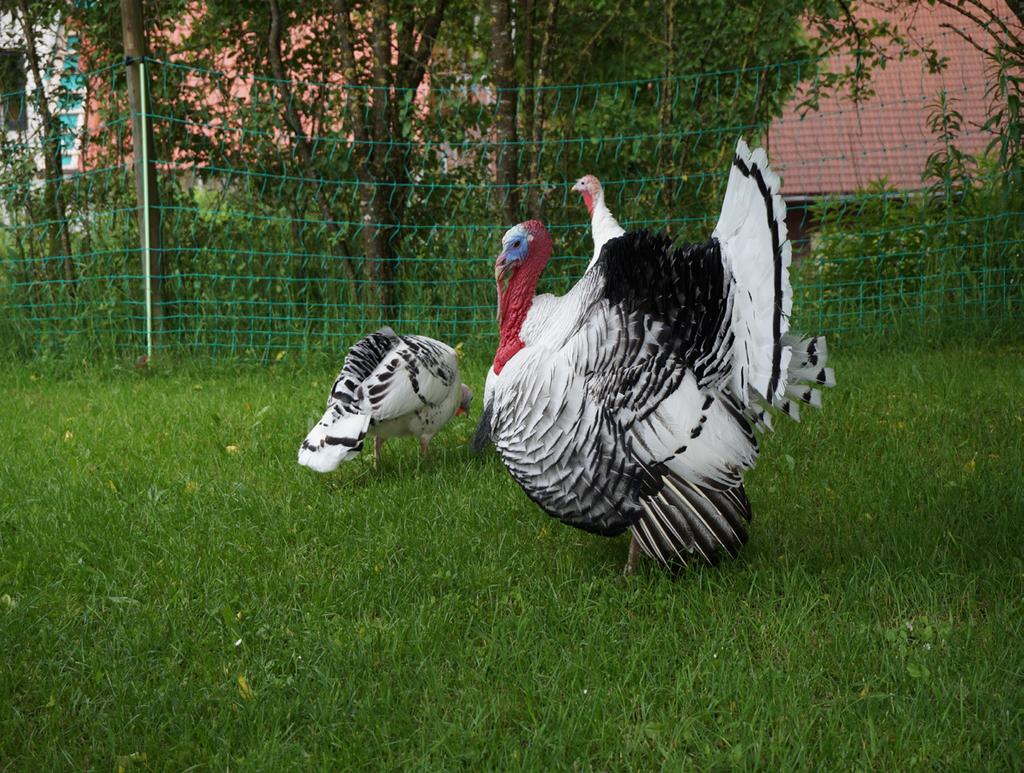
631	401
603	226
389	386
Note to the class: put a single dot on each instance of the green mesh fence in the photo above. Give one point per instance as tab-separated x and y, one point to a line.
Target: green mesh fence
266	231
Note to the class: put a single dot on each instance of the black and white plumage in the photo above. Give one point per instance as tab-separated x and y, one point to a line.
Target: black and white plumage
632	401
389	386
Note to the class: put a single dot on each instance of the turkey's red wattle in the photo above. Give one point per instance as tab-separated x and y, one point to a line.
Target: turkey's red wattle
506	351
515	305
588	199
517	298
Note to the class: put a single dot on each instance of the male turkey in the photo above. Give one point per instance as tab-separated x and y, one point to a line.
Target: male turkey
389	386
631	401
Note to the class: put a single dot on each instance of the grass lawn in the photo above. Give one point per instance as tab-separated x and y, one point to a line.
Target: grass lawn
176	592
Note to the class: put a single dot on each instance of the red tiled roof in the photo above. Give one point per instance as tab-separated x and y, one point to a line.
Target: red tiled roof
843	147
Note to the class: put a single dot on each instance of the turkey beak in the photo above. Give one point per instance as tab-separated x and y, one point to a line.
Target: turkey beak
502	268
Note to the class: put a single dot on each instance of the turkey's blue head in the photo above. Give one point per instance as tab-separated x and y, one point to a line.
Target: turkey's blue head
515	245
525	249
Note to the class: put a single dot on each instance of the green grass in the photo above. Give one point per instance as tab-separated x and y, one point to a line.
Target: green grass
158	542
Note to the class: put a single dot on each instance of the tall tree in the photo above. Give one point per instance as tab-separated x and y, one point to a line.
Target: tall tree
35	19
386	48
506	130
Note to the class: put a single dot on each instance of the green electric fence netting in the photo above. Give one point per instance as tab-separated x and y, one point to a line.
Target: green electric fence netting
286	222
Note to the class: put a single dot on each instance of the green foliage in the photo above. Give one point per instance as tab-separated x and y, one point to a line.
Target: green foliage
952	249
265	229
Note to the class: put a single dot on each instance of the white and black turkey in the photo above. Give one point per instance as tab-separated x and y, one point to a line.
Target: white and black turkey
389	386
631	401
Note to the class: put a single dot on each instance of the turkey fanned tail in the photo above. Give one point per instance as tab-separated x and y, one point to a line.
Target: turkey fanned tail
757	254
806	375
773	370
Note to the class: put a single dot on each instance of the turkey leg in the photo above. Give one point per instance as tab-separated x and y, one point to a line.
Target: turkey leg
634	556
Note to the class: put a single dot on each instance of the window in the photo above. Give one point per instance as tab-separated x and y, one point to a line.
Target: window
71	104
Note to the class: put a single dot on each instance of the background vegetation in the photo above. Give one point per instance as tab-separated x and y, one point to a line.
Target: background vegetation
314	185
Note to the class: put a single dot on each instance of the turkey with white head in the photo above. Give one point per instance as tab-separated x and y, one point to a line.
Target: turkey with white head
389	386
603	225
631	401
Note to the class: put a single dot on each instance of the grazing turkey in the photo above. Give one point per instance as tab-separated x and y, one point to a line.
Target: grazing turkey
631	401
389	386
603	226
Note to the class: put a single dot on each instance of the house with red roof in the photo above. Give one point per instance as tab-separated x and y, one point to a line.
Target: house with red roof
844	146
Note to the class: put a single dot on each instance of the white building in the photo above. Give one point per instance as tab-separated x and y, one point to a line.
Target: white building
63	84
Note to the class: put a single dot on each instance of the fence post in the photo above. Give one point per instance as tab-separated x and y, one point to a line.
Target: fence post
146	192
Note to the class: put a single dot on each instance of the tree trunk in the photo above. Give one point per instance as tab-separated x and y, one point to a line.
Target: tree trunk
379	237
503	56
379	245
539	119
59	235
